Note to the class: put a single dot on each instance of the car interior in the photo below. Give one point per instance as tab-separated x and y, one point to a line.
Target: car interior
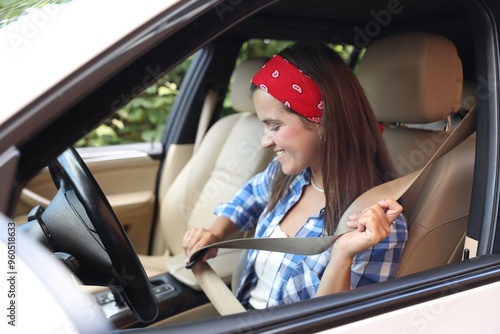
417	65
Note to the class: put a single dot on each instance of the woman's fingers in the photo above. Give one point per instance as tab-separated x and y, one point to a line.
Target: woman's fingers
360	219
373	224
198	238
388	208
370	226
392	209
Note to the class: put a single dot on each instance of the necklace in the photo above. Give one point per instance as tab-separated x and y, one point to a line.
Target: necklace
316	187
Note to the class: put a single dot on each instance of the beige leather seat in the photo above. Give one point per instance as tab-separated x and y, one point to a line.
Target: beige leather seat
229	154
417	78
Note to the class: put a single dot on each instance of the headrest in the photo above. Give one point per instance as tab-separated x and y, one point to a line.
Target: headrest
412	78
240	90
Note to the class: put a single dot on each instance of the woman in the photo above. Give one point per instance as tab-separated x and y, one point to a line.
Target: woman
329	150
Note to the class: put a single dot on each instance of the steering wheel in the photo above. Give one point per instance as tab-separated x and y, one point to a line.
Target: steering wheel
96	222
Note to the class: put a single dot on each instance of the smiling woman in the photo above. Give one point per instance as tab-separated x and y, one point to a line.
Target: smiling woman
295	96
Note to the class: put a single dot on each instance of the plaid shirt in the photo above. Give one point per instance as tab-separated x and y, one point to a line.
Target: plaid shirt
299	276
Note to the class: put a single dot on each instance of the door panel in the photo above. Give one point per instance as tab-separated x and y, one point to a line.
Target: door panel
455	313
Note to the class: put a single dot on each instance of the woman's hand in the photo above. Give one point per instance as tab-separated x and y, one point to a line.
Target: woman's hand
198	238
371	226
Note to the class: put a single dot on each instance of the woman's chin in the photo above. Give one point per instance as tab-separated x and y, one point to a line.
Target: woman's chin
289	170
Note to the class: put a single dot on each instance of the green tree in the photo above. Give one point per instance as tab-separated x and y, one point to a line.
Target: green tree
144	117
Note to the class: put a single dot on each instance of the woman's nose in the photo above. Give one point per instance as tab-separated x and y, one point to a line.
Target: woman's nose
267	140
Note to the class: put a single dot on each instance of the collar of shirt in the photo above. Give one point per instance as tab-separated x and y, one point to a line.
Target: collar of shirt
269	220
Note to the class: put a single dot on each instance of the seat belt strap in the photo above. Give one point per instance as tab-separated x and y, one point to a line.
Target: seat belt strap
207	112
393	189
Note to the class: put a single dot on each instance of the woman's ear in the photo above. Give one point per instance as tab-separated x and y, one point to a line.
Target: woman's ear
321	133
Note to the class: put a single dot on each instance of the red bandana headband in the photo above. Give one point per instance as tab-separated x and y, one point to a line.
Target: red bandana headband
291	86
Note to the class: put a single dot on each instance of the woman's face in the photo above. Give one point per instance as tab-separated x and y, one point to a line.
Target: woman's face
296	146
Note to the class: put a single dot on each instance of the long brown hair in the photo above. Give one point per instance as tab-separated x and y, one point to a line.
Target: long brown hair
354	155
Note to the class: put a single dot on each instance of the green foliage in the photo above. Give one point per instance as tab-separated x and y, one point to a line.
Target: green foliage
261	48
267	48
143	118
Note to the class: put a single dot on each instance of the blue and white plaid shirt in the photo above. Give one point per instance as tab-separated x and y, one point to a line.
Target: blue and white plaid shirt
299	276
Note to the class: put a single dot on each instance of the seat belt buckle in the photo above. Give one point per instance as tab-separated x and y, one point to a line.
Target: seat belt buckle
197	256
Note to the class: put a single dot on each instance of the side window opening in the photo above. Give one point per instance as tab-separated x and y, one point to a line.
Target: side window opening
143	119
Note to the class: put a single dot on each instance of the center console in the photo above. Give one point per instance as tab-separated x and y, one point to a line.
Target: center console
173	297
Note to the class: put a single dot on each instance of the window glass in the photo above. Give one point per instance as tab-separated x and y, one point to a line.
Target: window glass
143	118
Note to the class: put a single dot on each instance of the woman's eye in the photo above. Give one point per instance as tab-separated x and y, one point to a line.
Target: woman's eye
274	128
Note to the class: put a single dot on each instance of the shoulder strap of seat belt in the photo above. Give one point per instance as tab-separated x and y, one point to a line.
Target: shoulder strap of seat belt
393	189
207	112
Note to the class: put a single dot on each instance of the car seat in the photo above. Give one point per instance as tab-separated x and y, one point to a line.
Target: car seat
416	78
229	154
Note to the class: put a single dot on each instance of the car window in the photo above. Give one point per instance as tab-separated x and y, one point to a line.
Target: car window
144	117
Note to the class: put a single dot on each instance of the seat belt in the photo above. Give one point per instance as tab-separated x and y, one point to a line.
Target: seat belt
206	114
224	300
393	189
